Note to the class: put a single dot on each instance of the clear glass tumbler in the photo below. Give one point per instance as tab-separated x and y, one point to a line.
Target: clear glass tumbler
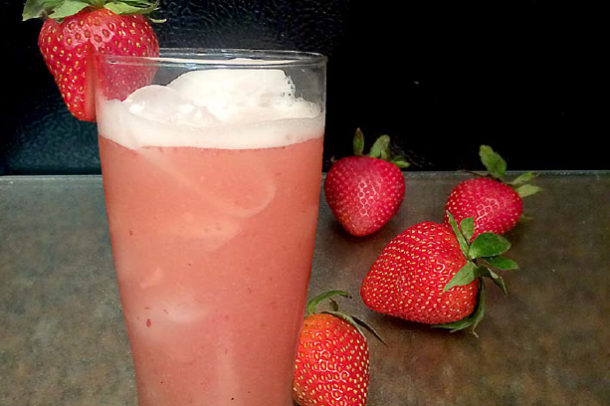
211	164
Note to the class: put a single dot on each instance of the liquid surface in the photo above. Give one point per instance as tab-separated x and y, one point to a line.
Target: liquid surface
218	108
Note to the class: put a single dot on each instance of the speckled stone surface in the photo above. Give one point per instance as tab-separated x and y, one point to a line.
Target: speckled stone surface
63	340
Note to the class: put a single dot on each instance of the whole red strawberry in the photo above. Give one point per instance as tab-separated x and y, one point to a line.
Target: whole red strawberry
364	192
431	274
77	30
496	206
332	365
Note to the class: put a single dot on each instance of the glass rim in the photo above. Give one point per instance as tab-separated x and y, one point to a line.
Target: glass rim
220	58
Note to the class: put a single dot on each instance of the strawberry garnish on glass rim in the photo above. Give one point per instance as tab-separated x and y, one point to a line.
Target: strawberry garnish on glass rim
75	31
495	203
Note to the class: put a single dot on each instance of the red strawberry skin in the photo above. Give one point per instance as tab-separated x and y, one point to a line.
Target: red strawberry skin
68	49
364	193
408	277
495	207
332	365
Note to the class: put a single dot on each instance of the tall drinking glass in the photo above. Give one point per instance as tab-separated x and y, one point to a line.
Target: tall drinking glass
211	164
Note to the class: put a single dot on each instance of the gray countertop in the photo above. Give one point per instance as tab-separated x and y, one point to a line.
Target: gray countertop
63	339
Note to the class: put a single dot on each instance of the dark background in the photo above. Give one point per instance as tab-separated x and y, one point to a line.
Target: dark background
441	77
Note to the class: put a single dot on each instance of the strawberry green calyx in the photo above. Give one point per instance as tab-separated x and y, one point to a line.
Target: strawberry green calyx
59	9
356	322
482	254
380	149
313	303
496	168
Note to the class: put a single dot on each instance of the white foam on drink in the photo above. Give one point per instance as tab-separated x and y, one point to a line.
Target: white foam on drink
214	108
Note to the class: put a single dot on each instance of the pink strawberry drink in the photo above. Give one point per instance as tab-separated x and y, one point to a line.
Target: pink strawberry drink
212	186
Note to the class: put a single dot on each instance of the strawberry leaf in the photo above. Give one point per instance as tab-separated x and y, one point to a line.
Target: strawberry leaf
381	148
502	263
523	178
464	276
471	321
369	328
488	245
358	142
68	8
467	228
483	271
400	162
386	154
39	8
348	319
527	190
496	166
132	7
58	9
313	303
458	235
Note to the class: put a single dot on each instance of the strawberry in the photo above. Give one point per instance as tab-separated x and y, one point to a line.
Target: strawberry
431	274
364	192
77	30
496	205
332	365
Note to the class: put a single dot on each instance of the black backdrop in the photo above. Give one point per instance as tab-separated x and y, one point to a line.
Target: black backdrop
441	77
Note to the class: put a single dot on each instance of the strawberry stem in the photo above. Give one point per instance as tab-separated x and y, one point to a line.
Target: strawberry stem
313	303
